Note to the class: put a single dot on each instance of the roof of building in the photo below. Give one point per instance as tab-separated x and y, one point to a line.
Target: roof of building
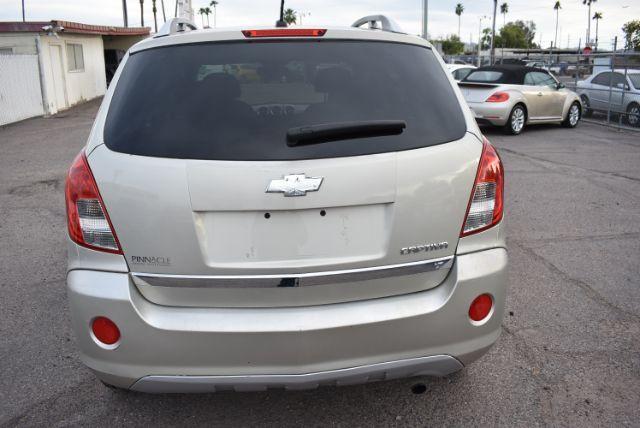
72	28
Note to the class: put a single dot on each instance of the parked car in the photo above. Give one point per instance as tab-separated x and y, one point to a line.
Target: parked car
559	69
513	96
537	64
459	71
612	90
319	223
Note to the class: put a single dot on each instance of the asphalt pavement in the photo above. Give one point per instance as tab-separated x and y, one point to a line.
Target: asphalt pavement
569	354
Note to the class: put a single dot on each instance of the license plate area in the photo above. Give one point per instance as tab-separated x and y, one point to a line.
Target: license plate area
282	237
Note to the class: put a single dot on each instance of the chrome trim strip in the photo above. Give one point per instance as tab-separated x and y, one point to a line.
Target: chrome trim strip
436	365
291	280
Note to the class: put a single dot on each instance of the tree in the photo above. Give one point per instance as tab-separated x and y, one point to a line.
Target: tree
459	10
452	45
588	3
493	32
290	16
155	11
504	9
632	35
557	8
142	13
203	11
214	3
517	35
485	40
597	16
125	15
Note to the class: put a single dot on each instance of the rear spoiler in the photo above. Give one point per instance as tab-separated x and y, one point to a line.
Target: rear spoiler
478	85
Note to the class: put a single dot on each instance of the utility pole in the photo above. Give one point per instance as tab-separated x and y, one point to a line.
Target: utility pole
23	18
425	19
588	40
164	16
493	32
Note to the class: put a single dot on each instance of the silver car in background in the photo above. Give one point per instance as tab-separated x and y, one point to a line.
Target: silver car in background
279	208
615	90
512	96
460	71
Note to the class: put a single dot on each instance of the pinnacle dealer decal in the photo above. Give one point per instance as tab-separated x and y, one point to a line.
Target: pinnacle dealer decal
151	260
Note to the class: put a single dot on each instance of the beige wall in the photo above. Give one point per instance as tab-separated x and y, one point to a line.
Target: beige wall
78	86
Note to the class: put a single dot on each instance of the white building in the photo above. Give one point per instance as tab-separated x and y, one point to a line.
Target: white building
46	67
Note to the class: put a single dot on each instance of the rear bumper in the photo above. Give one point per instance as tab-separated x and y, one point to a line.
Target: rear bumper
491	113
180	349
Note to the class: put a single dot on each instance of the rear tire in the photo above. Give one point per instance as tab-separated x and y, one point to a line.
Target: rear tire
633	114
586	109
573	116
517	120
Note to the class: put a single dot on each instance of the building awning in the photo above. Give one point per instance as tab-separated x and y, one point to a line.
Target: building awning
72	28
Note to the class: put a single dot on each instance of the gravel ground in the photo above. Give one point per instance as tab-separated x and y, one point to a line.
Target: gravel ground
569	354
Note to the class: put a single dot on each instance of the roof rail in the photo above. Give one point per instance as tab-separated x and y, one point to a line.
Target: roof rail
387	23
175	25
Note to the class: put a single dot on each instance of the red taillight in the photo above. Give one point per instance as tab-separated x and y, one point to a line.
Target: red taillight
87	218
285	32
480	308
498	97
105	331
487	198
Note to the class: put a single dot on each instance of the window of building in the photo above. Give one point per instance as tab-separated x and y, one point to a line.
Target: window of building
75	57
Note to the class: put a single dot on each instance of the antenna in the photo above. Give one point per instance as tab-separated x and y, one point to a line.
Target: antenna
280	22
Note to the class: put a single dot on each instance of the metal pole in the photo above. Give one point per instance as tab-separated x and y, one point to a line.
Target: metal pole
493	32
164	16
479	42
613	60
425	19
23	18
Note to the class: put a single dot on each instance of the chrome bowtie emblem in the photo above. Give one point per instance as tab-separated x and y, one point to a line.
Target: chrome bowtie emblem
295	185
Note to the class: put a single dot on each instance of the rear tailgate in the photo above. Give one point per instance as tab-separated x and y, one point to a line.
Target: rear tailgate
195	134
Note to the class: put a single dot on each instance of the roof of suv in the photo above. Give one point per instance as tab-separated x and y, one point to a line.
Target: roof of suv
235	34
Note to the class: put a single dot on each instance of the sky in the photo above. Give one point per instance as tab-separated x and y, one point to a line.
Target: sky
408	13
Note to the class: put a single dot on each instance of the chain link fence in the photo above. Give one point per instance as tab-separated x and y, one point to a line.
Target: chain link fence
608	83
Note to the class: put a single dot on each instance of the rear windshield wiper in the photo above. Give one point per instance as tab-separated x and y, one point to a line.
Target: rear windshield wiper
335	131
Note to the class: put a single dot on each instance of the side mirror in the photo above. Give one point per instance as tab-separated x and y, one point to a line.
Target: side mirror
560	85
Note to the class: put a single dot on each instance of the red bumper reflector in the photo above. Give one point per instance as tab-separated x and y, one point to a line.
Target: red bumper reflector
480	307
285	32
105	330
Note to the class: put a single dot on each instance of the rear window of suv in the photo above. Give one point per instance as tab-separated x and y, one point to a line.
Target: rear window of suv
237	100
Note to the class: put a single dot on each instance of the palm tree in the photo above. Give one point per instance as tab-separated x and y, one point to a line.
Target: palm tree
588	3
124	12
557	8
164	15
214	3
202	11
459	10
504	9
493	32
142	13
290	16
597	16
155	11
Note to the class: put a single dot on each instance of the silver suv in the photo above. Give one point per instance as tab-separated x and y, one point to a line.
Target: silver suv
283	208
